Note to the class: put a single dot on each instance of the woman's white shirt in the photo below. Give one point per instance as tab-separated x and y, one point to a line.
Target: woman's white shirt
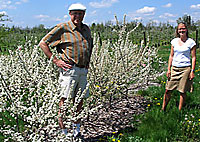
182	52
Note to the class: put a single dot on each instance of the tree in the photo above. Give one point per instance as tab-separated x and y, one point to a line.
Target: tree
188	21
2	16
198	23
40	28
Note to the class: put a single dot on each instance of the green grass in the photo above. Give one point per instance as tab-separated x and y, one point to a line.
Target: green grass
164	51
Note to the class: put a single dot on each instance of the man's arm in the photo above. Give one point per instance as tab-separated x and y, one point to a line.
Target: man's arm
43	45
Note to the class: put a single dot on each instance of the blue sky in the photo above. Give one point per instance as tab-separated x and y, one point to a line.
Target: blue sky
51	12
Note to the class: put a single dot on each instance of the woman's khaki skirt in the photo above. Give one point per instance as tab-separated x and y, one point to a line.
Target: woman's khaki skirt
179	79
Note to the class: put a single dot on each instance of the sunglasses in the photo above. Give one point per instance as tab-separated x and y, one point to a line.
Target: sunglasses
77	13
182	29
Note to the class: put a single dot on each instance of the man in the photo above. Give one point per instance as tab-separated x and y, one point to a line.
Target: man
74	44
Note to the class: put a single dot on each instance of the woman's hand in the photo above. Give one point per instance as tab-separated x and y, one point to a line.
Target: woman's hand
168	74
191	75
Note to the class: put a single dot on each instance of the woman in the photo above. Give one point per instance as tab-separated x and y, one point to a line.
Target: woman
180	70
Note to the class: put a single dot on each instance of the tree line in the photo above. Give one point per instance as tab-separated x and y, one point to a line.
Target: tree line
156	33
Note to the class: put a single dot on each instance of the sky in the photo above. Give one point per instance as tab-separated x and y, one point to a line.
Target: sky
31	13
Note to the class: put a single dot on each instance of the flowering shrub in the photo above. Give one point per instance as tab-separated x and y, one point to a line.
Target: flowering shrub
119	66
29	94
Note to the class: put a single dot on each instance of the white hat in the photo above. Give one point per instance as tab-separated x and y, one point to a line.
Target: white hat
77	6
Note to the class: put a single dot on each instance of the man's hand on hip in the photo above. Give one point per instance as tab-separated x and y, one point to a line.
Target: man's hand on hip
62	64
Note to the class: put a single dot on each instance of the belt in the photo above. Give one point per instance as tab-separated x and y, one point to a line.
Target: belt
76	65
80	66
182	67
